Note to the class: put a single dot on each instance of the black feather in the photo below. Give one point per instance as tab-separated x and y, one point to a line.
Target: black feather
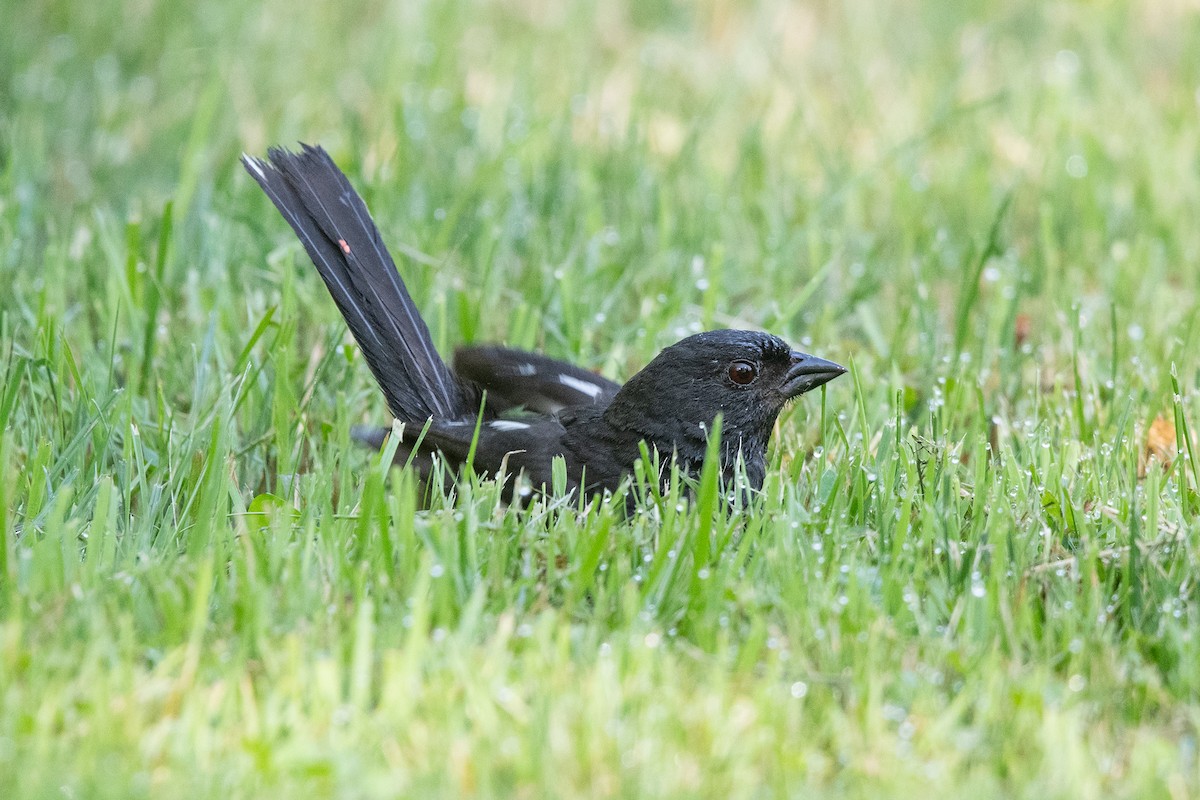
336	229
520	379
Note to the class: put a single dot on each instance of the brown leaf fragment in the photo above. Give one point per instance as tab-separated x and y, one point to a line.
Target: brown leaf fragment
1021	330
1160	445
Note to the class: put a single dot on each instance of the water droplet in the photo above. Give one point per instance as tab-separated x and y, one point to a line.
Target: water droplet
1066	63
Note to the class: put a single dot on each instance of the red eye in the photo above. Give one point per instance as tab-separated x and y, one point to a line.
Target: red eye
742	372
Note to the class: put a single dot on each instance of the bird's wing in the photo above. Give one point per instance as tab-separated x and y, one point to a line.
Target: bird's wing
515	378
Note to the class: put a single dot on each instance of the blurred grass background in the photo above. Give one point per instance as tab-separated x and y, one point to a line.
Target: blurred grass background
964	576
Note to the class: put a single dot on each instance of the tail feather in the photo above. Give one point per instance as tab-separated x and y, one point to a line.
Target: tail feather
336	230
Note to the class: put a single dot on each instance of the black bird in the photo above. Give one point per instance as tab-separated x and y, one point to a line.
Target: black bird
595	425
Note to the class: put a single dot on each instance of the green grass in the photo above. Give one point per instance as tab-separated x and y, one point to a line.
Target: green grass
957	580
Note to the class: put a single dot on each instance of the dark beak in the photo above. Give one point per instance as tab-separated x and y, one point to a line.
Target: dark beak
807	373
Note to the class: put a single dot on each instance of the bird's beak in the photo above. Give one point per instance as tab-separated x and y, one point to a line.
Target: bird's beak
807	373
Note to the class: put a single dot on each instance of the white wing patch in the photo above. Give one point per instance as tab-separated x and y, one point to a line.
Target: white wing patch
587	387
526	369
507	425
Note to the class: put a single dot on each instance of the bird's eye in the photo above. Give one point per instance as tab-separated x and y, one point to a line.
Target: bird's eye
742	372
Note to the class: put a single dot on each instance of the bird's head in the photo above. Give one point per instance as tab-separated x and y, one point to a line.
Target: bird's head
746	376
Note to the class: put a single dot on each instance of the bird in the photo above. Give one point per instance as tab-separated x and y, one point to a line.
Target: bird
510	413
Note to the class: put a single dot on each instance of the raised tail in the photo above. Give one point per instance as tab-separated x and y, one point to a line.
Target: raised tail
336	229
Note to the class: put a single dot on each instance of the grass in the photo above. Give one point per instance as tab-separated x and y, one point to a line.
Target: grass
962	577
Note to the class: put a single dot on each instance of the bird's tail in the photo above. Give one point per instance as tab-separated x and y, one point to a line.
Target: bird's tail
337	231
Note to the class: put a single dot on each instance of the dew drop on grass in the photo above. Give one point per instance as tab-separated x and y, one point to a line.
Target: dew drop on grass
799	689
437	571
978	589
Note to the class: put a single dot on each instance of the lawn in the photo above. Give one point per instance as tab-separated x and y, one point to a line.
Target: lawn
972	570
